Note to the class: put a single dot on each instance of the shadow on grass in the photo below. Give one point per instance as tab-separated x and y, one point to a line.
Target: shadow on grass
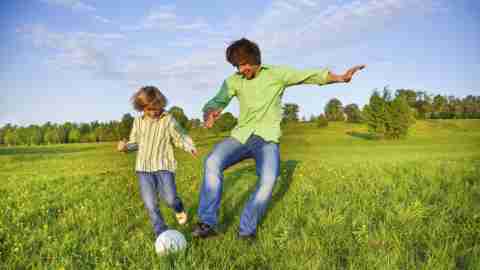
361	135
233	183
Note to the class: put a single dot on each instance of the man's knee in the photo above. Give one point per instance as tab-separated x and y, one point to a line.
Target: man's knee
266	187
212	163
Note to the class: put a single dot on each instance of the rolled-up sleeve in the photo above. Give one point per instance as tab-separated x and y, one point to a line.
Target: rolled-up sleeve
222	98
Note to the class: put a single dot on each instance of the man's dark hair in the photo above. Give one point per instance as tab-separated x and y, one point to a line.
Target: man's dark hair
243	49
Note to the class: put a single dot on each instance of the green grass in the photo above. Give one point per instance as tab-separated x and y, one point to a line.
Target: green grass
343	201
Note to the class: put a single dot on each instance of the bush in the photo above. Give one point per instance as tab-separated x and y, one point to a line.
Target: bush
322	121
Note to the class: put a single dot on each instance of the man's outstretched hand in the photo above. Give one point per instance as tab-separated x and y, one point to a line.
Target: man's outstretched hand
347	77
209	117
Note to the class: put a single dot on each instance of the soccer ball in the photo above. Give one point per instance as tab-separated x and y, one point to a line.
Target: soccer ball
170	241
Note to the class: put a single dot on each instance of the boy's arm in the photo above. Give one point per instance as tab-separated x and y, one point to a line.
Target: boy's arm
316	76
180	138
213	108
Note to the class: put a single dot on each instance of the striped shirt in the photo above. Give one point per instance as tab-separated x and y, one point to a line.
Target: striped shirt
154	140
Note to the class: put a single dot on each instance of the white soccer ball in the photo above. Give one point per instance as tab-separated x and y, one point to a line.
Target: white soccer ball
170	241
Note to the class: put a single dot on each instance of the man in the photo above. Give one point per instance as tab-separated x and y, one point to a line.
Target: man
259	89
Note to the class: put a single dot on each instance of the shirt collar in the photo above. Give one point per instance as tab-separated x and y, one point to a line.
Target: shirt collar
164	113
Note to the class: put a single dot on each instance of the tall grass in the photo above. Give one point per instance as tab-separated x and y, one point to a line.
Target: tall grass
343	201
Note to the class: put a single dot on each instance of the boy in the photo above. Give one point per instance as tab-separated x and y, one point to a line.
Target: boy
152	135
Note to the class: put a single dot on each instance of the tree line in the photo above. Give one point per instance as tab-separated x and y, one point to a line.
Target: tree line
386	115
52	133
422	105
390	115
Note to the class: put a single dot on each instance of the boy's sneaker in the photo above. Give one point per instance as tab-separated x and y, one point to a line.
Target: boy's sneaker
203	230
182	217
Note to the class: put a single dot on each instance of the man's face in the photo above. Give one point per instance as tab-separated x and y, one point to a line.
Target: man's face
247	70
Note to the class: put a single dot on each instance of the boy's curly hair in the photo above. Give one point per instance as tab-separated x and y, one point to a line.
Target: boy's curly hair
148	96
243	49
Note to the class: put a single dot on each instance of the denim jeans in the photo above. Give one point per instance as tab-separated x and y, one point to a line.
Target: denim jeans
160	183
227	153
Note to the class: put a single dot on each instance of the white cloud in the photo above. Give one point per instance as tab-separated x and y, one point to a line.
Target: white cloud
306	24
284	27
76	50
71	4
102	19
78	6
166	18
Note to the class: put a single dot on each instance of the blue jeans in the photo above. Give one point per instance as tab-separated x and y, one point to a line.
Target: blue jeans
160	183
227	153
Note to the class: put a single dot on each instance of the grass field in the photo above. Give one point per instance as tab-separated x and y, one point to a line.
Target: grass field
343	201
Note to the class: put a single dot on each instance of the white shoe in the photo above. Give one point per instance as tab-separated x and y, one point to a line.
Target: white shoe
182	217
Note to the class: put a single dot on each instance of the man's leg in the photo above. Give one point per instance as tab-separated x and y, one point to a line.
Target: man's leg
224	155
267	159
148	190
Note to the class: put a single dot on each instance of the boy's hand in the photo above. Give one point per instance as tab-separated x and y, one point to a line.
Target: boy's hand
210	116
122	146
194	153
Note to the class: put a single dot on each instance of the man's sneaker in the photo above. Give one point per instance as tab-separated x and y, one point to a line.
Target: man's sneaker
182	217
203	230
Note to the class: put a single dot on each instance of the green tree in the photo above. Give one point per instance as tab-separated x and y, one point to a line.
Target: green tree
353	113
10	137
423	105
62	134
334	110
126	125
376	114
51	136
100	133
74	135
290	112
180	116
35	135
387	118
409	94
440	104
400	118
2	135
321	121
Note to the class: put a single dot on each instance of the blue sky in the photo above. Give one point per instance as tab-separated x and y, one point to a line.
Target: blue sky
81	60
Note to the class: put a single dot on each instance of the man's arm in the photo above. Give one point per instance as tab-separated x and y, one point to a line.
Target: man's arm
315	76
214	107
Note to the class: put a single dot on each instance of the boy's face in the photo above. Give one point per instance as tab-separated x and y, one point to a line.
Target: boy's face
247	69
153	112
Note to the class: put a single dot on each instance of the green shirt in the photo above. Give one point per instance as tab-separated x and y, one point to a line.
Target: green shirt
154	140
261	98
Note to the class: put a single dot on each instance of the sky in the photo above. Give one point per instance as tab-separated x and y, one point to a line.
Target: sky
81	60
